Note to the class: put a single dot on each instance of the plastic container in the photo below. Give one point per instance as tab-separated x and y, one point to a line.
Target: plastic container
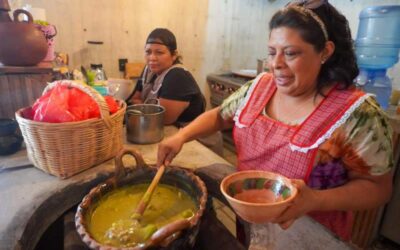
376	57
375	81
102	90
379	25
378	37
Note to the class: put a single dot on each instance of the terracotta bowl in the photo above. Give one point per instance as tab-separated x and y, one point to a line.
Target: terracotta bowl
180	234
258	196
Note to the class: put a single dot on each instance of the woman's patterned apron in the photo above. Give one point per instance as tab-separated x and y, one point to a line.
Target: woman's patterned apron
266	144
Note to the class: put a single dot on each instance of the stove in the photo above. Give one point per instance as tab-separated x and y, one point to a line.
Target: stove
221	86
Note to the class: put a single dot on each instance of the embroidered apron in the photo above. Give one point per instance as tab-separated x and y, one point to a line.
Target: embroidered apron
265	144
151	88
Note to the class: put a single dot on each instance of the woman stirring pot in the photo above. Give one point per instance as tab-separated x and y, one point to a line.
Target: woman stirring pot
307	121
165	80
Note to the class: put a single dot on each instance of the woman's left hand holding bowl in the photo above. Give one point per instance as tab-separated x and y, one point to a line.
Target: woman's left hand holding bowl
307	200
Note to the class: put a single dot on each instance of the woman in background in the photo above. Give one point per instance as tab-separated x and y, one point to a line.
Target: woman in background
165	80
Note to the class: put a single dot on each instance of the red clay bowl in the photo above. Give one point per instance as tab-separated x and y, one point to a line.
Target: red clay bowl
258	196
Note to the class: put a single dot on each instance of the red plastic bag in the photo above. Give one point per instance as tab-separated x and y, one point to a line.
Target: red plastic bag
82	106
112	104
68	104
53	106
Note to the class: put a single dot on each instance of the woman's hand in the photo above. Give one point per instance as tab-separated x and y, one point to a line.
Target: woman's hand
305	201
168	149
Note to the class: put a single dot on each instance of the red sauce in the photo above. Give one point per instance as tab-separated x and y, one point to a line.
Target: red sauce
257	196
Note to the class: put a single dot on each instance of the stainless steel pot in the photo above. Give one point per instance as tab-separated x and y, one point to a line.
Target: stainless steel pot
145	123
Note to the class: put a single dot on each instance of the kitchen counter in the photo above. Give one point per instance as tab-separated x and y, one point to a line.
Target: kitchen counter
32	200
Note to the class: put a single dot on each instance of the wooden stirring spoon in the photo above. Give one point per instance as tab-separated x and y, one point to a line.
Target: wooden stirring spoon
142	205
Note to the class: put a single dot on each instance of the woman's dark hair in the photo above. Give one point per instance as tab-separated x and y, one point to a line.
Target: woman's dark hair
341	66
167	38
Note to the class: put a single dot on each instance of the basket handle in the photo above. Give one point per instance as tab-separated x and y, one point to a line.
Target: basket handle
119	165
99	99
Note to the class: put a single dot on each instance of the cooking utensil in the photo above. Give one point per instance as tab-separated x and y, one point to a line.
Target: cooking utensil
22	44
145	123
179	234
147	195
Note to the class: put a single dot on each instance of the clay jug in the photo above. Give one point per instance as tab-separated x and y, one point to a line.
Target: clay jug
22	44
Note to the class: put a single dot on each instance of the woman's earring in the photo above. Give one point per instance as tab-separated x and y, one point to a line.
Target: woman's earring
323	61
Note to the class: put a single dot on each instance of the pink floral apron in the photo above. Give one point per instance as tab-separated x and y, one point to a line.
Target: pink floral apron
265	144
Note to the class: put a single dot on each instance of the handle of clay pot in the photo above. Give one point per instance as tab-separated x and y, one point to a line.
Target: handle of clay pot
168	230
119	165
21	11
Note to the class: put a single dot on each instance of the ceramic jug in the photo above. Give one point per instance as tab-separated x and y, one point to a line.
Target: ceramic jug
22	44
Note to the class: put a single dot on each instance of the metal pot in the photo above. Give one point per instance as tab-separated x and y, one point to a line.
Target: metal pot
180	234
145	123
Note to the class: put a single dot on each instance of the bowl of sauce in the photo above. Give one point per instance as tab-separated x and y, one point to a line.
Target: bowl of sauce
258	196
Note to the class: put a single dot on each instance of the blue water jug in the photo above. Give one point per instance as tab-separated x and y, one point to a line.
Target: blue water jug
375	81
378	37
377	48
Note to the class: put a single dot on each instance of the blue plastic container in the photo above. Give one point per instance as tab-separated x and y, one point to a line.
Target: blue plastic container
375	81
378	37
379	25
101	89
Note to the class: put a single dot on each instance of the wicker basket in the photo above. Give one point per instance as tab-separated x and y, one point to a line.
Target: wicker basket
65	149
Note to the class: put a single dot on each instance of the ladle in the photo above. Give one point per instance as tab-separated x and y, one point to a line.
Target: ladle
141	207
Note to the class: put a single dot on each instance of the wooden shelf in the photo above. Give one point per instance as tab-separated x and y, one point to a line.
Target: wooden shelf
41	68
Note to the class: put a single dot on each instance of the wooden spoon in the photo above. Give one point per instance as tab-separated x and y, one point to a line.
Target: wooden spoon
141	207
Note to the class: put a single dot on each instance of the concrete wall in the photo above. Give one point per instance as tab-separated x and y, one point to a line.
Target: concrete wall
212	35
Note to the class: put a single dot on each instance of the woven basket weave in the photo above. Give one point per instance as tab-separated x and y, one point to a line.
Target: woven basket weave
65	149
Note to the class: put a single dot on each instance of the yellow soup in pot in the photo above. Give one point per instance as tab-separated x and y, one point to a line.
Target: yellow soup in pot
111	224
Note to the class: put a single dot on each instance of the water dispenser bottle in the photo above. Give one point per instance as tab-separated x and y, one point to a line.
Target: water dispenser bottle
377	49
376	82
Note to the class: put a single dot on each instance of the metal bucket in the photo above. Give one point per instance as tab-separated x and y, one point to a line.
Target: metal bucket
145	123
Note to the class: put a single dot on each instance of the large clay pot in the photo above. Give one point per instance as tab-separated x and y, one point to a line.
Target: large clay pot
180	234
22	44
